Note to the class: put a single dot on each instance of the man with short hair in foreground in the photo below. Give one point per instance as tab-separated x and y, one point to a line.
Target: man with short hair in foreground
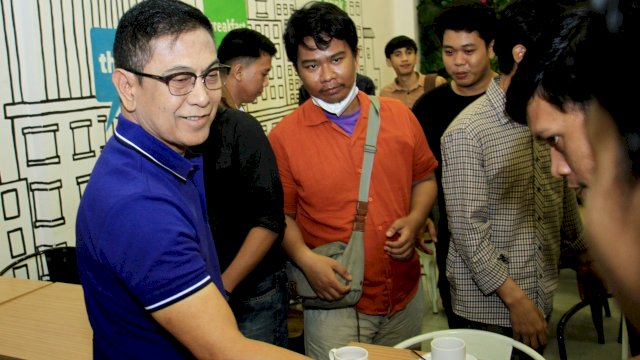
146	257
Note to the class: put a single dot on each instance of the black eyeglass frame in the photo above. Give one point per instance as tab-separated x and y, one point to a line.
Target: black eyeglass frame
167	78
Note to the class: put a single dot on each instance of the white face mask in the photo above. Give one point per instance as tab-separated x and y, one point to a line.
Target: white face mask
339	107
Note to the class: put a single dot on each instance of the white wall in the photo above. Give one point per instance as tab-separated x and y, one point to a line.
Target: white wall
390	18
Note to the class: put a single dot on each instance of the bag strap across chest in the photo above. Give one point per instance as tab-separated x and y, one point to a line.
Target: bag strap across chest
367	164
430	81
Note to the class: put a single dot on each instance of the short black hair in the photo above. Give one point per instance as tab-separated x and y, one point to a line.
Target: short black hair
323	22
244	43
522	22
149	20
611	90
563	74
468	16
561	70
399	42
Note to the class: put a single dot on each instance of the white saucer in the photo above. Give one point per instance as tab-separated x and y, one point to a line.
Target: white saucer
469	357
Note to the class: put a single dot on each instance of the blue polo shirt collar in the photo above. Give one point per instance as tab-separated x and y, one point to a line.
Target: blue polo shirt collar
134	136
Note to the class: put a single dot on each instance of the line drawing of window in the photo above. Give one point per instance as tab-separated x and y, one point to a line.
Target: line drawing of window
80	131
354	8
272	89
82	181
21	272
10	204
47	201
102	119
41	145
17	247
278	52
261	9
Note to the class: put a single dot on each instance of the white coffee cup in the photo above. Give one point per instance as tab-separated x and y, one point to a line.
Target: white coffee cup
448	348
349	353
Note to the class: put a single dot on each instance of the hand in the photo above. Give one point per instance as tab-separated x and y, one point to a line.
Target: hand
403	235
427	234
590	284
321	272
528	323
430	228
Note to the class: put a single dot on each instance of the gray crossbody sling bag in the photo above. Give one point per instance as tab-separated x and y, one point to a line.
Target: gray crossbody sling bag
350	255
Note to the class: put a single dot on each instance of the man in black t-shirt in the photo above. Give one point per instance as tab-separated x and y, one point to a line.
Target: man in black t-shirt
244	194
466	31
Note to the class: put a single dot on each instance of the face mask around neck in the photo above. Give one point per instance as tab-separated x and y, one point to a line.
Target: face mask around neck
339	107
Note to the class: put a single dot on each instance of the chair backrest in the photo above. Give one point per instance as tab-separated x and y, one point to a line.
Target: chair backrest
60	263
479	343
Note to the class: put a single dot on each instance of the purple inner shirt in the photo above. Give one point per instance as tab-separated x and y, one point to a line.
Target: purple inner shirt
346	122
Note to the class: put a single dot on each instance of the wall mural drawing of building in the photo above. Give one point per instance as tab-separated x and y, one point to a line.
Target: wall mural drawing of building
58	102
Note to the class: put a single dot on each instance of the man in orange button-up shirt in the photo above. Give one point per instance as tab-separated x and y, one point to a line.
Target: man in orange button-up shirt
319	148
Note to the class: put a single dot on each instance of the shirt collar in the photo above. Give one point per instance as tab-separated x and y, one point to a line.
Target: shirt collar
135	137
419	84
498	99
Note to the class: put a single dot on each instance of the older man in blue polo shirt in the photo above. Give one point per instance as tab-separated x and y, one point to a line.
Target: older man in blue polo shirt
147	260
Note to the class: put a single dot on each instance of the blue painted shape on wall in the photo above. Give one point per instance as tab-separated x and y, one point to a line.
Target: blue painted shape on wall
103	66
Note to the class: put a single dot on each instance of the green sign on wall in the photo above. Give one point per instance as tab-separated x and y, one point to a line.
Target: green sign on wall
225	15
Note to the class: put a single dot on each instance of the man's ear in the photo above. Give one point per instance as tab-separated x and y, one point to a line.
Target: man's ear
126	85
518	52
490	49
236	71
389	62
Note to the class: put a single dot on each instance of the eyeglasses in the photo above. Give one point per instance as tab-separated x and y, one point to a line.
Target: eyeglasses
182	83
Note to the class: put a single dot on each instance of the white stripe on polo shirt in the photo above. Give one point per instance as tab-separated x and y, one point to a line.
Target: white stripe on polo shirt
160	303
147	154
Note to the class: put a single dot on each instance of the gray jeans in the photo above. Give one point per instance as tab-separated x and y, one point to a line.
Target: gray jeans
327	329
